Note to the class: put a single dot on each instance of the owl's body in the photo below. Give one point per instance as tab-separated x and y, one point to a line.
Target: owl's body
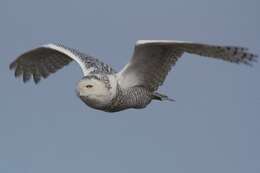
135	86
115	98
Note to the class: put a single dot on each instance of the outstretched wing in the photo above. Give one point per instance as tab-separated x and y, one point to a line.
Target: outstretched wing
153	59
47	59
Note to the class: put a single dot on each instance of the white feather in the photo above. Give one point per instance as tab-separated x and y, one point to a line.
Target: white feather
140	42
71	55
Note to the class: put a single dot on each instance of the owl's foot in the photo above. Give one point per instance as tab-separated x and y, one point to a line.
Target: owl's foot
161	97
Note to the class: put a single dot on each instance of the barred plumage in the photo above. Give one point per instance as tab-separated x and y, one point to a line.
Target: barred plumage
135	97
136	84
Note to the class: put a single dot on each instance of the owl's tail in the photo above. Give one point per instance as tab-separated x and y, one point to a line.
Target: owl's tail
161	97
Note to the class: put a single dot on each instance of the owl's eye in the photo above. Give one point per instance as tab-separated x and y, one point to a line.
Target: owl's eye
89	86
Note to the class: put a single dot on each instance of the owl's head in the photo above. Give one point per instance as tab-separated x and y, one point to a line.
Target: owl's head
97	91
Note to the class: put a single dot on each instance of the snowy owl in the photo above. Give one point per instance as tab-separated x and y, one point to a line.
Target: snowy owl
135	86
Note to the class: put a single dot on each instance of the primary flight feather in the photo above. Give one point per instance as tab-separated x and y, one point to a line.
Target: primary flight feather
136	84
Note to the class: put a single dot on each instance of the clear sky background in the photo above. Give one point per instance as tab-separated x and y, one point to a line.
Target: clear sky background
213	127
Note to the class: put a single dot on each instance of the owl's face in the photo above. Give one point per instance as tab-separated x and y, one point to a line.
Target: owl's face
96	91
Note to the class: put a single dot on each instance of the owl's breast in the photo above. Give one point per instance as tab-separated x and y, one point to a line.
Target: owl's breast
94	103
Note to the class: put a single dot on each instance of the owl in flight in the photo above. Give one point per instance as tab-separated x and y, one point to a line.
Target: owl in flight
134	86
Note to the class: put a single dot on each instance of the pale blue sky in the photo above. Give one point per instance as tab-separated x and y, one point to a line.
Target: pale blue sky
213	126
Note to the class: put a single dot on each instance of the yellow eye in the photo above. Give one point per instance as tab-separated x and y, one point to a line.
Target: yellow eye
89	86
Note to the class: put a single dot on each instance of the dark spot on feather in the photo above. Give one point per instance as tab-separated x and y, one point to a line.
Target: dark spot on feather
244	55
235	51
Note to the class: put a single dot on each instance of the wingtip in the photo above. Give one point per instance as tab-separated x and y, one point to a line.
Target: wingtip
12	65
254	58
26	78
36	80
250	61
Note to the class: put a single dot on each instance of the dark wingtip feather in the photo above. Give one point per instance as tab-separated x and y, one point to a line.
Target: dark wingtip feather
12	65
36	79
25	80
26	77
248	63
18	71
253	58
